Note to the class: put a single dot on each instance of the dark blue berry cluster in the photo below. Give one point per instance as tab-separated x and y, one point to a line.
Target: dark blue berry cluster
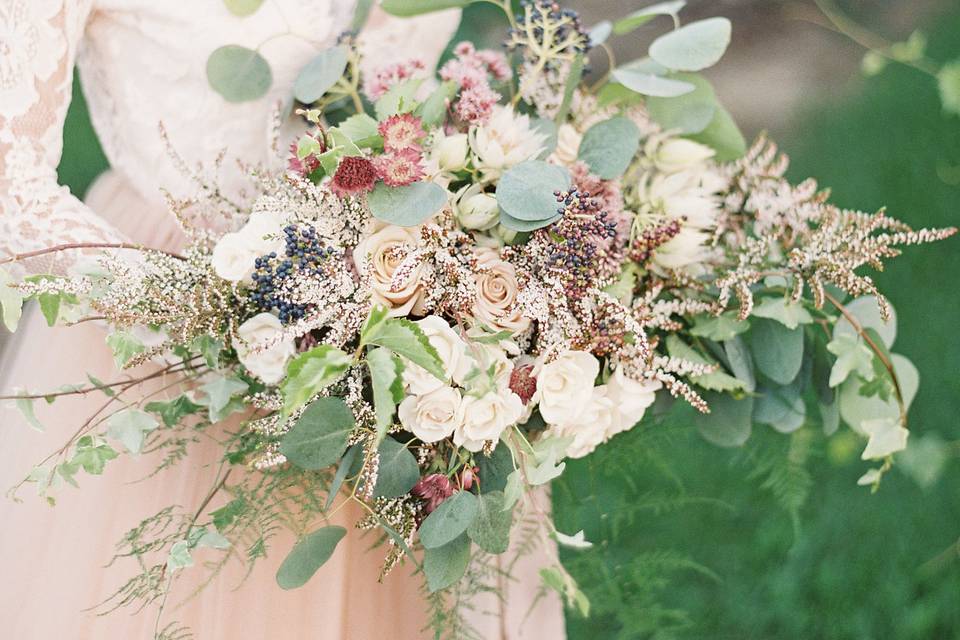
543	19
304	255
580	241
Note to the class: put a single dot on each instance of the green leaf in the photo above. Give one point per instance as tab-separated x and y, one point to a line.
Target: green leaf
495	469
11	302
124	346
855	408
642	16
741	362
600	32
723	136
690	113
781	408
343	470
50	307
526	191
524	226
490	528
225	515
209	347
387	385
358	127
398	99
548	129
789	314
948	81
238	74
25	406
718	380
646	77
729	422
570	88
444	566
407	206
130	427
694	46
608	147
434	108
179	557
213	540
360	15
320	74
398	470
867	313
406	8
449	520
852	356
319	436
172	411
91	455
777	350
406	339
719	328
243	7
513	491
308	555
311	372
219	392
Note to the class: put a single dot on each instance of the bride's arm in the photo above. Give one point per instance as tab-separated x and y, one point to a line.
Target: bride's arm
387	39
36	212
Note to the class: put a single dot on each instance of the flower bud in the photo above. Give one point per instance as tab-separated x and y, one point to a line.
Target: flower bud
478	210
451	152
677	154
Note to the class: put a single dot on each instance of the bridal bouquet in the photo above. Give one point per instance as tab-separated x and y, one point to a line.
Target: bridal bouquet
462	279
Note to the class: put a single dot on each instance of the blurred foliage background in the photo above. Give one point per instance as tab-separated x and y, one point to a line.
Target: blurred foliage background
776	540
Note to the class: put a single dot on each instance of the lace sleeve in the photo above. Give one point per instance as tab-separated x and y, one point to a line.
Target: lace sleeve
38	44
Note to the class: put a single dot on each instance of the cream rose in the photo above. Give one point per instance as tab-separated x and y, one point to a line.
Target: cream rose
592	426
631	398
267	363
505	140
380	255
486	417
453	354
564	386
434	416
496	303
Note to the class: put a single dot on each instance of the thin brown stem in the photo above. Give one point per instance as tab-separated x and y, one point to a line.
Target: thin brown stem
85	245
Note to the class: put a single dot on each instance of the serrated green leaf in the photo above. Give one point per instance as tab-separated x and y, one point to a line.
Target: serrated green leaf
398	470
387	385
449	520
225	515
172	411
310	373
308	555
92	455
179	557
608	148
490	529
239	74
694	46
434	109
358	127
124	346
320	74
319	436
407	206
406	339
209	347
398	99
444	566
526	191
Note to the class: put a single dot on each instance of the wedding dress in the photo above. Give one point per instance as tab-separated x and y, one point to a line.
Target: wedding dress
142	62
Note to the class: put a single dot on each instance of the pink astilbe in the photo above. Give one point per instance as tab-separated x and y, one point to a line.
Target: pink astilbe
399	168
471	70
354	176
380	81
434	488
401	132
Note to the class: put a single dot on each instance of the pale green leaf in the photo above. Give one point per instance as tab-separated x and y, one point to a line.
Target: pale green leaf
729	422
852	356
311	372
694	46
320	74
124	346
25	406
948	81
308	555
490	529
570	88
343	470
179	557
607	148
444	566
398	470
777	350
741	362
92	454
781	408
513	490
434	109
213	540
238	74
576	541
526	191
723	136
398	99
789	314
209	347
50	307
885	436
130	427
358	127
856	408
525	226
642	16
719	328
387	386
319	436
407	8
690	113
648	78
600	32
11	301
449	520
867	313
219	392
243	7
407	206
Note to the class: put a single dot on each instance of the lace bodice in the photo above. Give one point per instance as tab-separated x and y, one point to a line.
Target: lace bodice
143	62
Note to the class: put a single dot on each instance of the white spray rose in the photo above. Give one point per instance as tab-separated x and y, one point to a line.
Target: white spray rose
379	255
564	386
434	416
235	253
453	354
591	428
477	210
269	364
678	154
631	398
486	417
505	140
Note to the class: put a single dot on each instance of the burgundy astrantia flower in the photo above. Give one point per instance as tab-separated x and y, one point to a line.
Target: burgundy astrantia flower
403	131
522	382
434	488
399	168
354	176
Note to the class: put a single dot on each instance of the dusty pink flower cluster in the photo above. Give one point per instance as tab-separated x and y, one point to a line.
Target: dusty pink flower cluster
379	82
471	70
402	163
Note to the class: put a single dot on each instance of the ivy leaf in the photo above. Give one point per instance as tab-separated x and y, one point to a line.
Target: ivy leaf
385	370
490	529
719	328
130	427
789	314
407	8
886	437
319	436
179	557
124	346
243	7
92	455
545	471
398	99
852	356
729	422
608	147
406	339
694	46
25	406
225	515
398	470
777	350
449	520
358	127
646	77
948	81
526	191
444	566
320	74
213	540
407	206
11	301
238	74
308	555
643	16
172	411
209	347
219	392
311	372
